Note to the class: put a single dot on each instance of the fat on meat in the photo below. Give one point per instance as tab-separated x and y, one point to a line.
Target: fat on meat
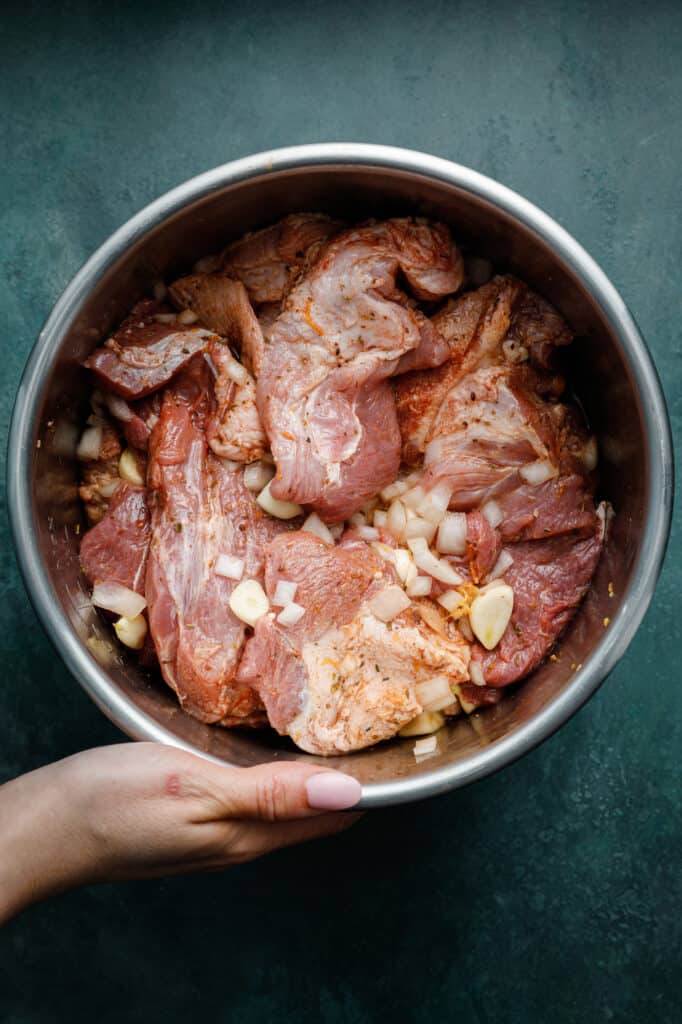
341	679
267	261
503	322
145	353
234	429
322	390
116	549
200	509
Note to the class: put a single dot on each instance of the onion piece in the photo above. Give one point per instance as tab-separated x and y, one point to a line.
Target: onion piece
539	471
291	614
131	632
188	316
119	409
504	560
435	504
452	534
128	469
90	444
389	602
418	527
451	600
249	602
436	567
366	533
285	591
420	586
414	497
434	694
476	673
380	518
314	525
275	507
114	597
425	747
424	724
258	475
396	520
492	512
229	566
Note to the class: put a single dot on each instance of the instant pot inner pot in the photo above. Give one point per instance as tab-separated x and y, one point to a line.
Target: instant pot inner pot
597	373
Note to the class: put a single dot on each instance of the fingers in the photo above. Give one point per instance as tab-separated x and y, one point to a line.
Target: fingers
285	791
258	838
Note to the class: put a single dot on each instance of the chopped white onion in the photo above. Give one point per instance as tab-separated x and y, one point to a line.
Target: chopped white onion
249	602
436	567
131	632
257	475
188	316
424	724
389	602
396	520
420	586
434	694
229	566
590	454
492	512
129	470
275	507
107	489
285	591
539	471
452	534
114	597
418	527
90	444
476	673
119	409
425	747
451	600
490	614
414	497
435	504
504	560
366	533
404	566
314	525
160	291
291	614
380	518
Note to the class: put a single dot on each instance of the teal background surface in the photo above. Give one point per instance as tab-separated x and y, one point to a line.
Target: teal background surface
550	892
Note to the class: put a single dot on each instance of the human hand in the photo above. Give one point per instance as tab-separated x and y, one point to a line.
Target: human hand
141	810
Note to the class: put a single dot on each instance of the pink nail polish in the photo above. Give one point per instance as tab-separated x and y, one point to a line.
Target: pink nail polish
332	791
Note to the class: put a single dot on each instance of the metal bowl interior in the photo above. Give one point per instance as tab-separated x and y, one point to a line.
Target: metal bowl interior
608	367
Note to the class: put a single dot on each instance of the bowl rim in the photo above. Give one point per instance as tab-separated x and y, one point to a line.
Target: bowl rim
611	647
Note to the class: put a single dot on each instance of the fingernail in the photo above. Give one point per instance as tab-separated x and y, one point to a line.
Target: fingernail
332	791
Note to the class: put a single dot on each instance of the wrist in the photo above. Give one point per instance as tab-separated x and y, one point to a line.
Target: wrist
42	848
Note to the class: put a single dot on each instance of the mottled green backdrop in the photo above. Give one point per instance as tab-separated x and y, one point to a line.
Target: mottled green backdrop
550	892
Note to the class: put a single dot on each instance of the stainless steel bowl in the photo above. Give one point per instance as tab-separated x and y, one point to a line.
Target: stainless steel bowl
613	373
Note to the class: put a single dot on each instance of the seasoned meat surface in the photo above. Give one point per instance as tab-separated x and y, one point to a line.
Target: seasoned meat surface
322	390
341	679
200	509
145	353
116	549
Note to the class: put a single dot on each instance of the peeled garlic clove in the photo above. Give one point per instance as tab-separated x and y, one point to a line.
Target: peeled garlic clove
490	614
131	632
275	507
424	724
249	602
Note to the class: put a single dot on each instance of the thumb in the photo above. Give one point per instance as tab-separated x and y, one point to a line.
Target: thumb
285	791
